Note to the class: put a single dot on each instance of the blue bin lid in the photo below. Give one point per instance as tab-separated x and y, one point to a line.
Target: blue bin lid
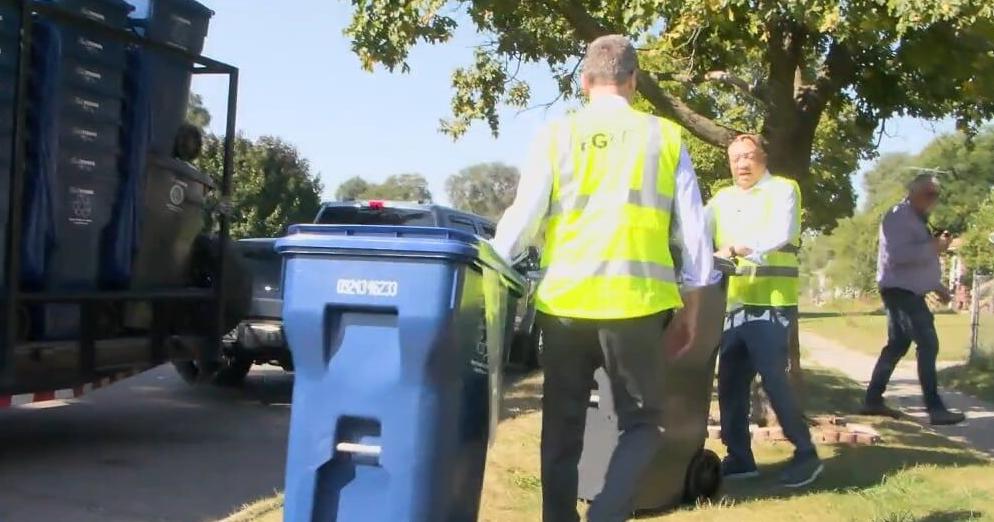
142	8
124	4
398	241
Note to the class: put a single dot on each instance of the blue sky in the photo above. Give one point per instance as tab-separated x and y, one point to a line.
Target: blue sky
300	81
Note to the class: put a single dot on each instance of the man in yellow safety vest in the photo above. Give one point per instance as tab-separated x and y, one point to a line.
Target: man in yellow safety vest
757	222
608	182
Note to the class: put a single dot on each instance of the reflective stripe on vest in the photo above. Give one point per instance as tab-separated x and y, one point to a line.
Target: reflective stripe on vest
645	196
606	252
775	283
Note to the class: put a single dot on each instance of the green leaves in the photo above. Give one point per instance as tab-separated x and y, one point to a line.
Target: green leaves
977	250
352	188
273	187
399	187
196	112
478	91
486	189
383	31
816	108
966	208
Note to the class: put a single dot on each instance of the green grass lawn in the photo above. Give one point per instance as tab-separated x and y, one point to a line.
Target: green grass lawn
912	476
975	380
866	331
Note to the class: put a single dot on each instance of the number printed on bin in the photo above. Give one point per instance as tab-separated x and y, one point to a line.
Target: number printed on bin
367	287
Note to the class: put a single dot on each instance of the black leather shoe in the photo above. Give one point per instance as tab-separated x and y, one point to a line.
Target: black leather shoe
880	410
945	417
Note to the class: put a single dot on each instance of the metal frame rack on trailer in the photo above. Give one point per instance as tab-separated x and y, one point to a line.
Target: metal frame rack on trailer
89	302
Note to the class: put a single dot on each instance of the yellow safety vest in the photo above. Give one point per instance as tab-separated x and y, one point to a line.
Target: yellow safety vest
606	252
775	282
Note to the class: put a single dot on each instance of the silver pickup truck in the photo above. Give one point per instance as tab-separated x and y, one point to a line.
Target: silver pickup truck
258	339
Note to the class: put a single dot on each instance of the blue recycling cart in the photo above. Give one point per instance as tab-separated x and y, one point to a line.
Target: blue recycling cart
397	336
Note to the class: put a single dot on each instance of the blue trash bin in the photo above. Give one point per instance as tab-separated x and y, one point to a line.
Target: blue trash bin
391	330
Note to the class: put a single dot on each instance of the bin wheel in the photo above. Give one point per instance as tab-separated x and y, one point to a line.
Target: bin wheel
703	477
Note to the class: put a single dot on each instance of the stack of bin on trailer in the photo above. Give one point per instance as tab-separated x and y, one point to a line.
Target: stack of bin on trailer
104	195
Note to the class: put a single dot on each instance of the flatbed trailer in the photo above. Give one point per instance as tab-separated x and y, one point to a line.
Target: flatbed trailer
180	322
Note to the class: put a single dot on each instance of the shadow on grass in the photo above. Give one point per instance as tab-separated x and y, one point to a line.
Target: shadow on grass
852	468
905	444
829	393
523	394
847	468
950	516
976	380
827	315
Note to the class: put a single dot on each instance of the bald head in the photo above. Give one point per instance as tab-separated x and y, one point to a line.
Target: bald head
611	61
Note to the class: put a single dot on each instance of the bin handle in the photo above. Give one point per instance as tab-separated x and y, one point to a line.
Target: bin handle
365	450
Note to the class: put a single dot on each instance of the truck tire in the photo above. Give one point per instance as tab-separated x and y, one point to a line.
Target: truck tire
233	373
190	371
230	373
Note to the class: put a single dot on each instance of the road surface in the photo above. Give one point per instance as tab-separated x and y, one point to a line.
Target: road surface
150	448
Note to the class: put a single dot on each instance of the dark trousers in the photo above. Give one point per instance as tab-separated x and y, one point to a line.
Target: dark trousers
908	319
632	354
755	341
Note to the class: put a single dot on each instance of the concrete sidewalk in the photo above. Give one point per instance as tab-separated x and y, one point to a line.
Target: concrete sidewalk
904	391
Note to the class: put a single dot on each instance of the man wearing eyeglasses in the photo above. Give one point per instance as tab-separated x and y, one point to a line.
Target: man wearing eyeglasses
907	270
757	221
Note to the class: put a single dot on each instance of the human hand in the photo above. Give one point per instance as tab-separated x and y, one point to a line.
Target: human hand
941	243
725	253
943	295
682	331
742	251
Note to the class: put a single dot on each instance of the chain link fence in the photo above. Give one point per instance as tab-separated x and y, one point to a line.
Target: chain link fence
982	325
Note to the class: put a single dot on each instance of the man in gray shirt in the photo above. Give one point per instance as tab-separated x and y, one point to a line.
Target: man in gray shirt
907	270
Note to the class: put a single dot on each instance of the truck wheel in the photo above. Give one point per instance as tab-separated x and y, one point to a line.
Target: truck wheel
228	374
703	477
233	373
190	371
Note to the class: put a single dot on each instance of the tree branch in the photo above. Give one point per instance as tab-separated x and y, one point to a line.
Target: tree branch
755	91
589	29
671	107
837	72
560	96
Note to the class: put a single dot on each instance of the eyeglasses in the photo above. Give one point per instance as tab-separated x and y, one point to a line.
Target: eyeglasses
747	155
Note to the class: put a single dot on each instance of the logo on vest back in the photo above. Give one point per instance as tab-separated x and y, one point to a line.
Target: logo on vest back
602	140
